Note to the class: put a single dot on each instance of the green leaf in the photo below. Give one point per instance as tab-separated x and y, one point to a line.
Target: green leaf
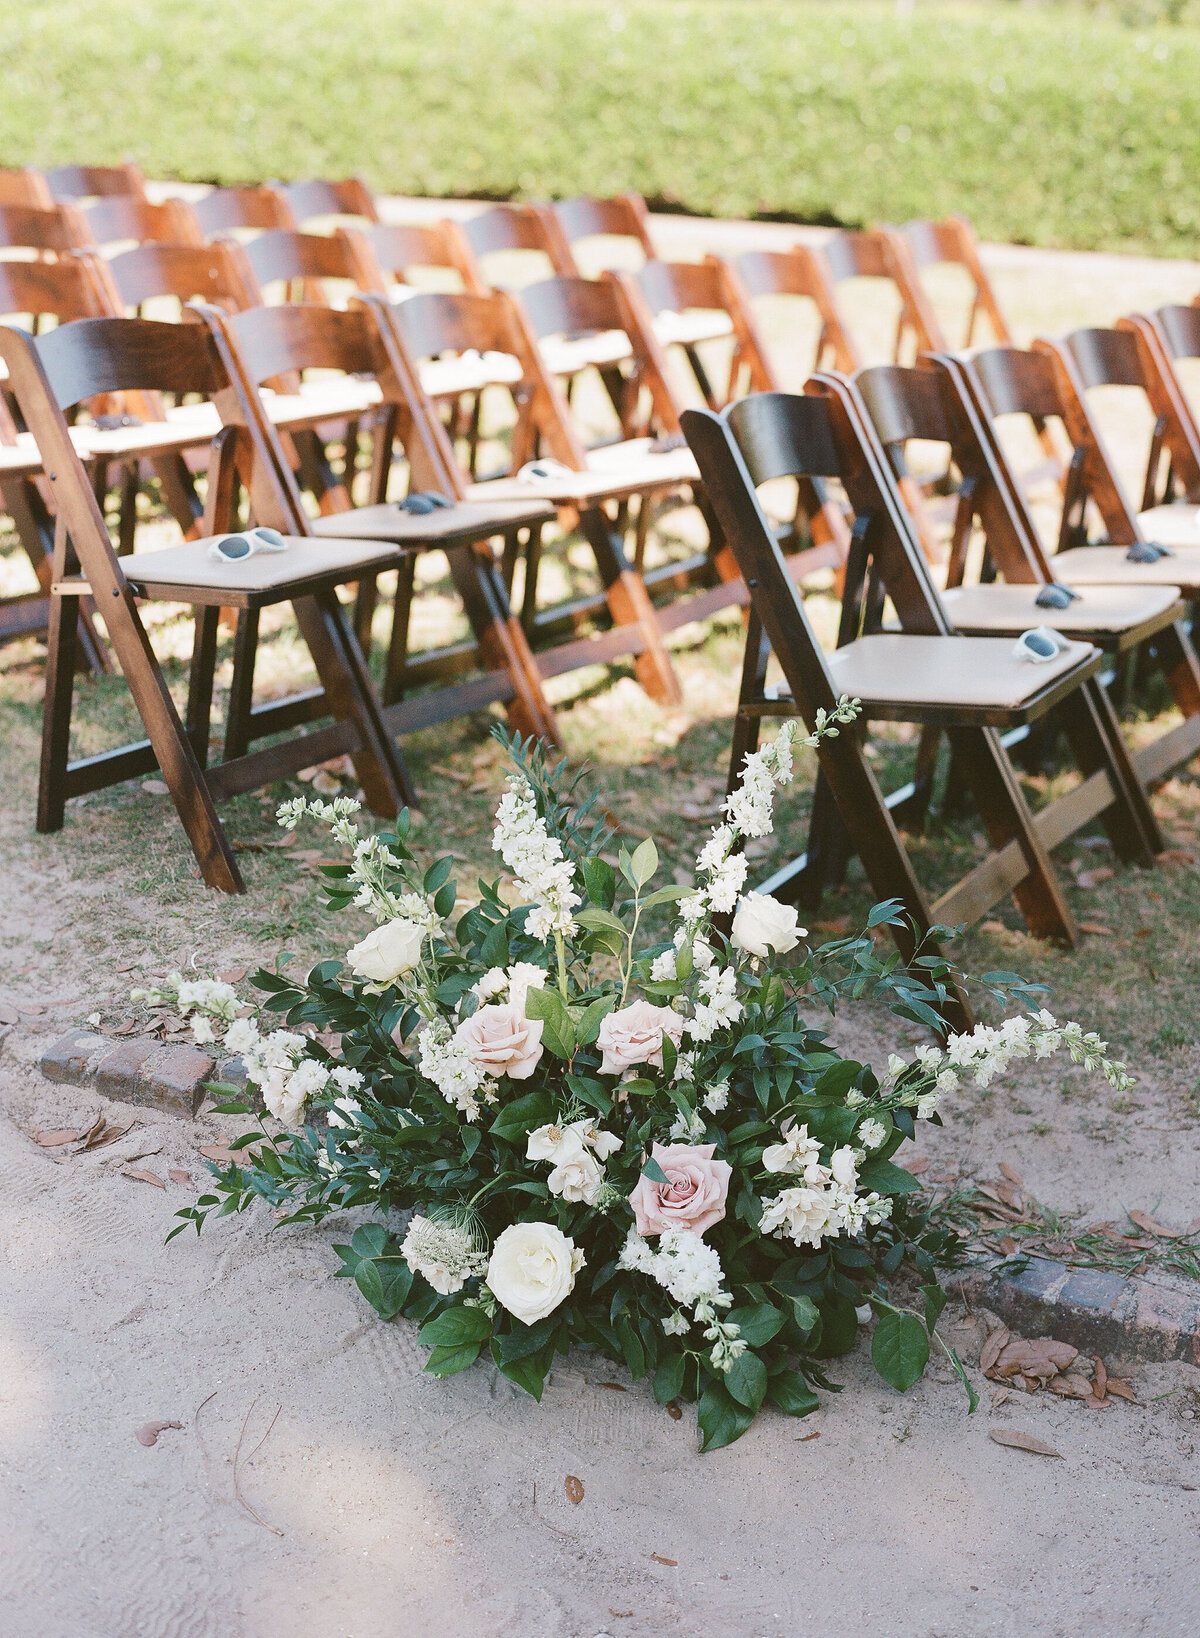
385	1284
443	900
792	1394
454	1327
839	1326
836	1082
721	1418
654	1171
370	1240
529	1373
438	873
960	1372
805	1313
644	862
668	1379
524	1340
746	1380
592	1016
516	1120
885	1178
597	920
600	880
665	895
935	1301
449	1361
756	1323
900	1348
558	1032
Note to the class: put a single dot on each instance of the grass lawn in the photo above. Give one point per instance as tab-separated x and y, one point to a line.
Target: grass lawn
1051	125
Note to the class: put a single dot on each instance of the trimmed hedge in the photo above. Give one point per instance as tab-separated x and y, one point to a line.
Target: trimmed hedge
1046	125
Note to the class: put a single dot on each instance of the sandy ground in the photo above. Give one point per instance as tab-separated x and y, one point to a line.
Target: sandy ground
388	1504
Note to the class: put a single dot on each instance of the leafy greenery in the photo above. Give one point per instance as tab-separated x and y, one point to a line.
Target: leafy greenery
1054	124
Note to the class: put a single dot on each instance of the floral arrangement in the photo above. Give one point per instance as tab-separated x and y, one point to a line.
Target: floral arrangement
579	1132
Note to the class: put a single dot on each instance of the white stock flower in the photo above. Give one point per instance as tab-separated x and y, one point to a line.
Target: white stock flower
242	1035
450	1067
801	1214
761	924
211	995
202	1030
342	1112
843	1166
532	1270
872	1133
524	976
676	1324
388	952
543	876
797	1153
717	1096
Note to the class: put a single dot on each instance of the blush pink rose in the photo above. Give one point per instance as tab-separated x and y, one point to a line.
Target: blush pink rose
693	1197
500	1040
634	1035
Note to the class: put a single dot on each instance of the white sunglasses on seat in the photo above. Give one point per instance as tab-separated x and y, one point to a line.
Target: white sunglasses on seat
236	548
1040	645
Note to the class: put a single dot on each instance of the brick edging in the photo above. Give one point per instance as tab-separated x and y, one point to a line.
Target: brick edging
1129	1317
141	1069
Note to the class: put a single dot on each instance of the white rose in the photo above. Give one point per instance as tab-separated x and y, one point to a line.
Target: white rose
762	924
388	953
532	1269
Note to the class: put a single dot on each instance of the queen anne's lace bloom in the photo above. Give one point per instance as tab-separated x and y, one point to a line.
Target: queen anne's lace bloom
544	877
444	1253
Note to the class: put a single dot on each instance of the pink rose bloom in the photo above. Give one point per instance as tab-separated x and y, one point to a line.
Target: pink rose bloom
500	1040
692	1198
634	1035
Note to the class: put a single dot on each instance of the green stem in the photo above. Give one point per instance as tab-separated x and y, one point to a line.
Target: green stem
561	948
637	916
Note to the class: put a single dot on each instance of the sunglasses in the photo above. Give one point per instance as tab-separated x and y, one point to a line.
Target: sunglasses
234	548
1057	596
423	501
1041	645
1147	551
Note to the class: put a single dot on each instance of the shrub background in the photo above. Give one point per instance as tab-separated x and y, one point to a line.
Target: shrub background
1047	124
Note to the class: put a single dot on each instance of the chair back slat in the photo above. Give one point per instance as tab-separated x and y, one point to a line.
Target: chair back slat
530	227
130	216
803	273
103	355
317	197
621	217
219	273
1016	382
572	306
676	286
857	254
54	230
273	341
66	290
71	182
783	435
1106	358
398	247
25	187
904	403
1179	328
225	210
286	255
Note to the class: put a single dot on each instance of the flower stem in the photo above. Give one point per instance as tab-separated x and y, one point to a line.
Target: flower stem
561	948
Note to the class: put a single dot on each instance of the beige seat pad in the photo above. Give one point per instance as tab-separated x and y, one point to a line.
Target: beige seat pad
628	468
1177	525
466	520
305	559
973	671
567	355
468	372
1108	566
1004	608
687	329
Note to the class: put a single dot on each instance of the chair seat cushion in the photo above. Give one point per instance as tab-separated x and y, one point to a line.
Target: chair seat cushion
1013	609
945	671
1177	525
617	470
1109	566
306	559
567	355
696	325
469	372
447	525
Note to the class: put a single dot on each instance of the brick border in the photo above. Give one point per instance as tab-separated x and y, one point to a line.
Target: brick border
1151	1320
140	1069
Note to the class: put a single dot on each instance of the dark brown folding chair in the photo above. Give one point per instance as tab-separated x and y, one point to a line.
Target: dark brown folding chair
802	274
257	209
78	361
532	229
318	198
219	273
390	252
265	343
926	673
54	230
951	242
130	218
25	187
74	182
882	254
624	216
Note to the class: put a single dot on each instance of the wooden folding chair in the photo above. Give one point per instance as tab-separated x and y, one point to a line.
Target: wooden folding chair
933	404
951	242
78	361
219	273
25	187
265	343
882	253
256	209
690	303
798	273
123	218
532	229
70	183
926	673
590	489
389	252
52	230
318	198
624	216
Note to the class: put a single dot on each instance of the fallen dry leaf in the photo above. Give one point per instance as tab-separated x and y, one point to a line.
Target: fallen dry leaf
9	1015
34	1008
916	1167
573	1488
1095	1403
54	1140
659	1559
178	1176
1011	1173
140	1175
212	1151
1151	1225
1022	1441
1175	855
1123	1390
1101	1376
148	1435
990	1352
613	1387
1093	878
233	975
1096	927
108	1133
1070	1385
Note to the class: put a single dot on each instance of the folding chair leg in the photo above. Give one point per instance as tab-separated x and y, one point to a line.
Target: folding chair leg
397	657
912	813
829	848
1005	813
630	604
200	681
1095	735
56	712
1175	653
747	726
503	645
241	690
344	677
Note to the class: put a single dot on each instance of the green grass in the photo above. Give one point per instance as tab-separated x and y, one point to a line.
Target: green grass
1051	125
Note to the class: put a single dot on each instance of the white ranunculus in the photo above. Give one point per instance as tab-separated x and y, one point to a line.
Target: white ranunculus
388	953
762	924
576	1176
532	1269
